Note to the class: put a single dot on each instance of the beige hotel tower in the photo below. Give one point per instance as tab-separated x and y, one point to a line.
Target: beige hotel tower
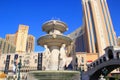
99	30
22	40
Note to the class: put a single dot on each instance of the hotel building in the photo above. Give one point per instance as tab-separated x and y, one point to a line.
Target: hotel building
83	59
23	41
95	34
118	41
30	43
9	63
78	37
99	30
6	47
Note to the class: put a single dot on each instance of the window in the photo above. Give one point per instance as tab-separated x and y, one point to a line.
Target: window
4	61
27	62
12	61
36	61
82	59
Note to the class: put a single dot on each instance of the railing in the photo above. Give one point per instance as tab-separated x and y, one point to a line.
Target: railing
104	58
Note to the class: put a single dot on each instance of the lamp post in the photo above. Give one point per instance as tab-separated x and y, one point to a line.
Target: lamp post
80	73
19	67
80	69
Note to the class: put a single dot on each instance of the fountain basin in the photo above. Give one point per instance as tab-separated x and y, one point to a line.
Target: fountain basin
54	24
56	40
53	75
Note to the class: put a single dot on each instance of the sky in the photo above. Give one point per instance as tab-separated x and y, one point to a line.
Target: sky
35	12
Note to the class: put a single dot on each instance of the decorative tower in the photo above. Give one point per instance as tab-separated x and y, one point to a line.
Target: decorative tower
54	56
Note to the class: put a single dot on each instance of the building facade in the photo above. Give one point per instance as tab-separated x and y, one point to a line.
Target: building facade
30	43
23	41
29	61
83	59
98	26
11	38
78	37
96	33
118	41
6	47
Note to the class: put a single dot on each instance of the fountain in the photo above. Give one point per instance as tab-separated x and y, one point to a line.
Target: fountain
54	56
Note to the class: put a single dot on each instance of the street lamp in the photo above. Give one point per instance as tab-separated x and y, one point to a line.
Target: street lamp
80	72
19	67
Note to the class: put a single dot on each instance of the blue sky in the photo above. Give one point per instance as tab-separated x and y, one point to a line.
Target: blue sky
35	12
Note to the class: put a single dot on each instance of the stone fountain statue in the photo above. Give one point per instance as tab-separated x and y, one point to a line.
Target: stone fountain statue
62	57
56	43
54	56
46	55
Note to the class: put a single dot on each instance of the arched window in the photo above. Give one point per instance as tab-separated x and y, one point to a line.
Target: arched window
104	58
97	62
100	60
118	55
82	59
88	67
93	64
27	61
110	54
36	60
